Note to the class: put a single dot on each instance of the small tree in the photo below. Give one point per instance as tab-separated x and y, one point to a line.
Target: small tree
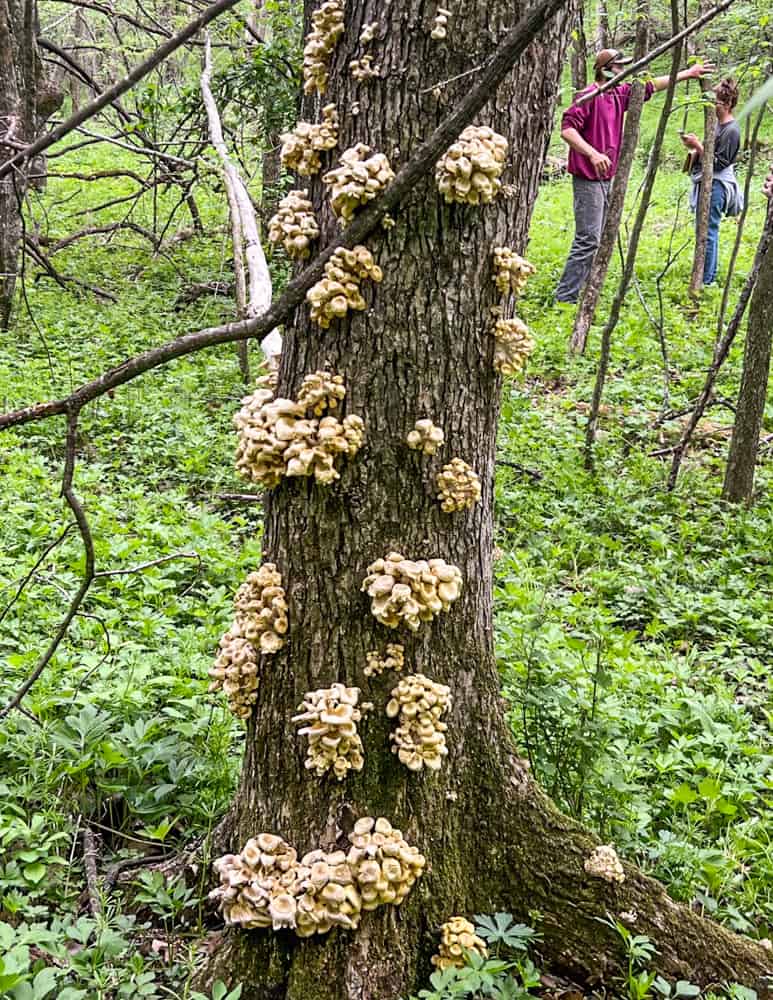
744	444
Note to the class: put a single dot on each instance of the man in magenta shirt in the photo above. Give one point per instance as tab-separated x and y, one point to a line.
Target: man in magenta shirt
594	131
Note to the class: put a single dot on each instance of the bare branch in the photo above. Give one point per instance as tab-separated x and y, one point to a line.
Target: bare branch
658	51
54	246
500	64
49	548
76	68
147	565
88	572
63	280
112	93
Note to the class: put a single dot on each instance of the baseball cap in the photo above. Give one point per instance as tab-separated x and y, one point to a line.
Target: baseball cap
609	56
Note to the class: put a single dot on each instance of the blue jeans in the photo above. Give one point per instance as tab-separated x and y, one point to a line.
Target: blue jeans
716	211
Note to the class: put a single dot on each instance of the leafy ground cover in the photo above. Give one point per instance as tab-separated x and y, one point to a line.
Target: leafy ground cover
634	626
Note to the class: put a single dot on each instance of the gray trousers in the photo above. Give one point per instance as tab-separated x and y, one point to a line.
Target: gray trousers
590	208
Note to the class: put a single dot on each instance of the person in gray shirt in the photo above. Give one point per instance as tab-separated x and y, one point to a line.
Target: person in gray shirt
726	197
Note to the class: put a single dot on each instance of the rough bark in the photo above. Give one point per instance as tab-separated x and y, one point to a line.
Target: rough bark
602	26
592	291
424	348
579	54
742	457
17	126
27	98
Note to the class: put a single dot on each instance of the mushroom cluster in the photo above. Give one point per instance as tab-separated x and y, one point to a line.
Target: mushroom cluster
294	225
235	672
258	887
267	886
469	170
604	863
358	180
439	28
407	592
339	290
425	437
301	147
511	271
327	27
368	33
278	438
363	68
457	935
459	486
512	346
320	391
261	609
330	717
376	664
420	738
385	866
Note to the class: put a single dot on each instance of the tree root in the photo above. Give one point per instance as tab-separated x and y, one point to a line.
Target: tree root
526	858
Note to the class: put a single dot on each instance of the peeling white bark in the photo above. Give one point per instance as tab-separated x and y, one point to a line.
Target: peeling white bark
253	286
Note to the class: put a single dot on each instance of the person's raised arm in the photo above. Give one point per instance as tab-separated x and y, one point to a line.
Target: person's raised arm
693	73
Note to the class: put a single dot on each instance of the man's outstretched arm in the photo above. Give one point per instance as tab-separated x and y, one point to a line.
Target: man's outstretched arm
693	73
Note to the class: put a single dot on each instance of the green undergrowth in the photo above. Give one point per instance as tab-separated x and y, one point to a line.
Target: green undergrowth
634	627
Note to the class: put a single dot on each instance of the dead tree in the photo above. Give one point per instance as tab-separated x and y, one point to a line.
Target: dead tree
251	278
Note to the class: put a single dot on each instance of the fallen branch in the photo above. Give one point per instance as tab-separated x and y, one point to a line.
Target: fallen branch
253	290
49	548
147	565
63	280
54	246
90	868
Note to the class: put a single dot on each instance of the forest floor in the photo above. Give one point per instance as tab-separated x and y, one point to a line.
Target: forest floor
634	626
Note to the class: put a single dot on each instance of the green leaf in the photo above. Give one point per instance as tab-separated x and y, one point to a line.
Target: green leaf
35	872
683	795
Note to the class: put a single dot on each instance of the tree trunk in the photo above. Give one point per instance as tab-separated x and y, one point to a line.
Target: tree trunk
704	198
423	349
579	54
26	100
592	291
602	26
742	458
17	125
